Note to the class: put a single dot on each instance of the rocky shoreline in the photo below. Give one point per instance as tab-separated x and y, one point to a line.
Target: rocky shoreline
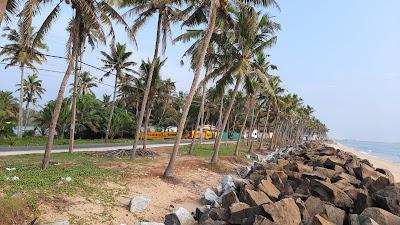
312	184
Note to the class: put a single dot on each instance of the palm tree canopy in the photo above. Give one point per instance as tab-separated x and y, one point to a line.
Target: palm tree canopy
33	89
118	61
22	52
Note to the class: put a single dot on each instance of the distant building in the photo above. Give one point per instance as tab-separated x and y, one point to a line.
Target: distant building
171	129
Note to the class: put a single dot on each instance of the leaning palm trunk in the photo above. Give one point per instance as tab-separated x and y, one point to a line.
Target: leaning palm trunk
21	100
148	87
241	131
169	171
60	97
3	6
220	114
73	111
146	125
112	107
214	158
195	131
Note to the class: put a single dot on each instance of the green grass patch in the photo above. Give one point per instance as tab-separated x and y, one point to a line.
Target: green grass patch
41	141
207	150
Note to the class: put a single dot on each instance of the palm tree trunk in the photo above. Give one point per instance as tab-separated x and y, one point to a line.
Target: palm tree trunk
241	131
251	124
169	171
26	115
214	158
220	116
148	86
112	106
3	6
195	129
146	125
73	110
60	97
21	100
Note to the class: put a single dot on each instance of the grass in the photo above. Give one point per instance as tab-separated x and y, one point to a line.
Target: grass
35	184
14	211
41	141
208	150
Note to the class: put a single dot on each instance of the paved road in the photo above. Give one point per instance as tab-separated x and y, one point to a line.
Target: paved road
22	150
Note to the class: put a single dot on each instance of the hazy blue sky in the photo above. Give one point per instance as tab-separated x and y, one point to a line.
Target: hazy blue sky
340	56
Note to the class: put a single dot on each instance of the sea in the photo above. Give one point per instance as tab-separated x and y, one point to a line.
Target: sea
383	150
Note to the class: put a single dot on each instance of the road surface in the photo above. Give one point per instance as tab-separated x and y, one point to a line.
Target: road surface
22	150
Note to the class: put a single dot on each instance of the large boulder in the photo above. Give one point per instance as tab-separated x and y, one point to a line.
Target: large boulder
331	162
226	184
388	199
364	171
381	216
219	214
209	197
228	199
329	192
284	211
139	203
180	216
333	214
255	198
387	173
354	219
269	188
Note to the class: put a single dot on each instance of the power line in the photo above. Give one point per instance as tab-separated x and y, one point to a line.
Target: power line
55	71
63	57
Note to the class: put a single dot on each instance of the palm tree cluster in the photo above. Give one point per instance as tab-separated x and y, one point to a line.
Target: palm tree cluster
229	44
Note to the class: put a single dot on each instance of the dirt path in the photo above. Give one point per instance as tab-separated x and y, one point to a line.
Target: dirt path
194	176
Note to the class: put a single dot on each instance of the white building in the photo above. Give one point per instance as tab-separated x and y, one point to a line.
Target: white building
171	129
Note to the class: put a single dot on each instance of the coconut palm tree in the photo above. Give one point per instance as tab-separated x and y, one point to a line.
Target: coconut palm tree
155	86
24	53
91	14
250	36
144	10
33	91
117	63
8	112
198	17
86	83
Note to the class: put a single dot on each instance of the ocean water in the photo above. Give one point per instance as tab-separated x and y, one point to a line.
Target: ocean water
383	150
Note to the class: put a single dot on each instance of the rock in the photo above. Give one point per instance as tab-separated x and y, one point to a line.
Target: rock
243	214
312	176
333	214
180	216
202	211
282	162
326	151
226	184
213	222
363	201
329	192
351	179
365	171
325	172
381	216
353	192
388	199
331	162
139	203
228	199
148	223
255	198
354	219
378	184
388	174
209	197
284	211
244	172
319	220
219	214
268	188
61	222
313	206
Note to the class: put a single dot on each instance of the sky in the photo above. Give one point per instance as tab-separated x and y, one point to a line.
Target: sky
340	56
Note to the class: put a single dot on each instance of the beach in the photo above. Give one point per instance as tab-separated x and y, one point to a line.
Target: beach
377	162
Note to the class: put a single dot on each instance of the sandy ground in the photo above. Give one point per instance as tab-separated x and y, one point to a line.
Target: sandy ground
193	177
377	162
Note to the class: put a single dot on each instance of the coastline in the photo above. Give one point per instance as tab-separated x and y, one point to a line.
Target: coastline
376	161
